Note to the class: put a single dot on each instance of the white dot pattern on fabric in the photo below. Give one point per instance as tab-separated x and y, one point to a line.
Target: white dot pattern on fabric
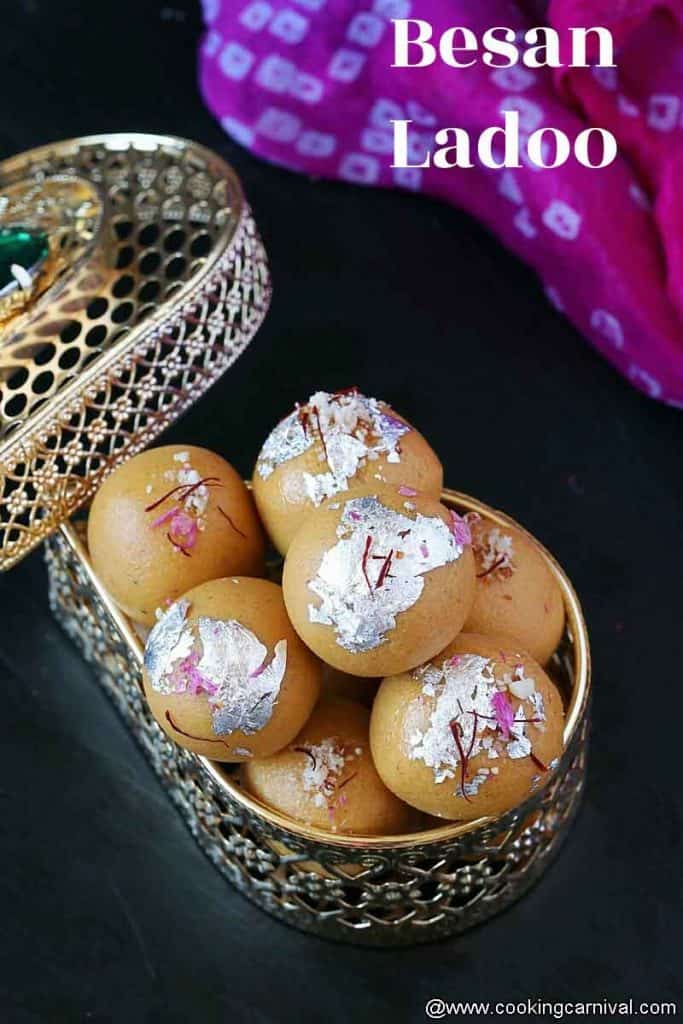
212	43
663	112
290	26
562	220
239	131
416	112
365	29
607	325
307	88
524	157
530	113
360	168
278	125
383	111
308	84
607	77
256	16
211	9
524	223
316	144
514	79
346	65
392	8
555	299
509	187
408	177
236	61
377	141
275	73
626	107
648	382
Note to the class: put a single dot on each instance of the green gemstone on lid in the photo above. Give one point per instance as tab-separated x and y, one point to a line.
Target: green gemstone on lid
21	246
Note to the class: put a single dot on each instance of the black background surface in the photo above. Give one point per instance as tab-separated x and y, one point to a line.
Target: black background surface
109	911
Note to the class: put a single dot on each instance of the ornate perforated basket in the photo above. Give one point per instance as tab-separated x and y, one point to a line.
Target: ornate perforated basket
154	281
396	890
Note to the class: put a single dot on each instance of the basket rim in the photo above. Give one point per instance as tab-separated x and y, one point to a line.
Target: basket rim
576	628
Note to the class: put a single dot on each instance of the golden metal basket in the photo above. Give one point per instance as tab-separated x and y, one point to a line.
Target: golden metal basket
395	890
157	282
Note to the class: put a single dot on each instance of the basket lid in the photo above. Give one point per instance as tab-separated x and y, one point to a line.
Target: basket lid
131	277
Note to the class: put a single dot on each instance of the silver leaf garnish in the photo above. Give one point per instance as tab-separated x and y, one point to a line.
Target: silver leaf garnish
473	785
221	658
169	641
361	593
520	744
354	429
463	688
287	441
233	659
536	699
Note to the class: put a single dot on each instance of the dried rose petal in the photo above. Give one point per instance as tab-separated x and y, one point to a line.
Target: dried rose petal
165	516
460	529
502	709
183	530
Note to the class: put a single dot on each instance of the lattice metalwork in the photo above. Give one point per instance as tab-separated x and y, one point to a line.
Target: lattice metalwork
163	283
376	891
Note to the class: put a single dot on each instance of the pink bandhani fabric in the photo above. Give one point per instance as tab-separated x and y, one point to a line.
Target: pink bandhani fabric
308	84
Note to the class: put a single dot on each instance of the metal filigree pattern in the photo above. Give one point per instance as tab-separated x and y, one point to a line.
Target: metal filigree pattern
393	891
171	290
